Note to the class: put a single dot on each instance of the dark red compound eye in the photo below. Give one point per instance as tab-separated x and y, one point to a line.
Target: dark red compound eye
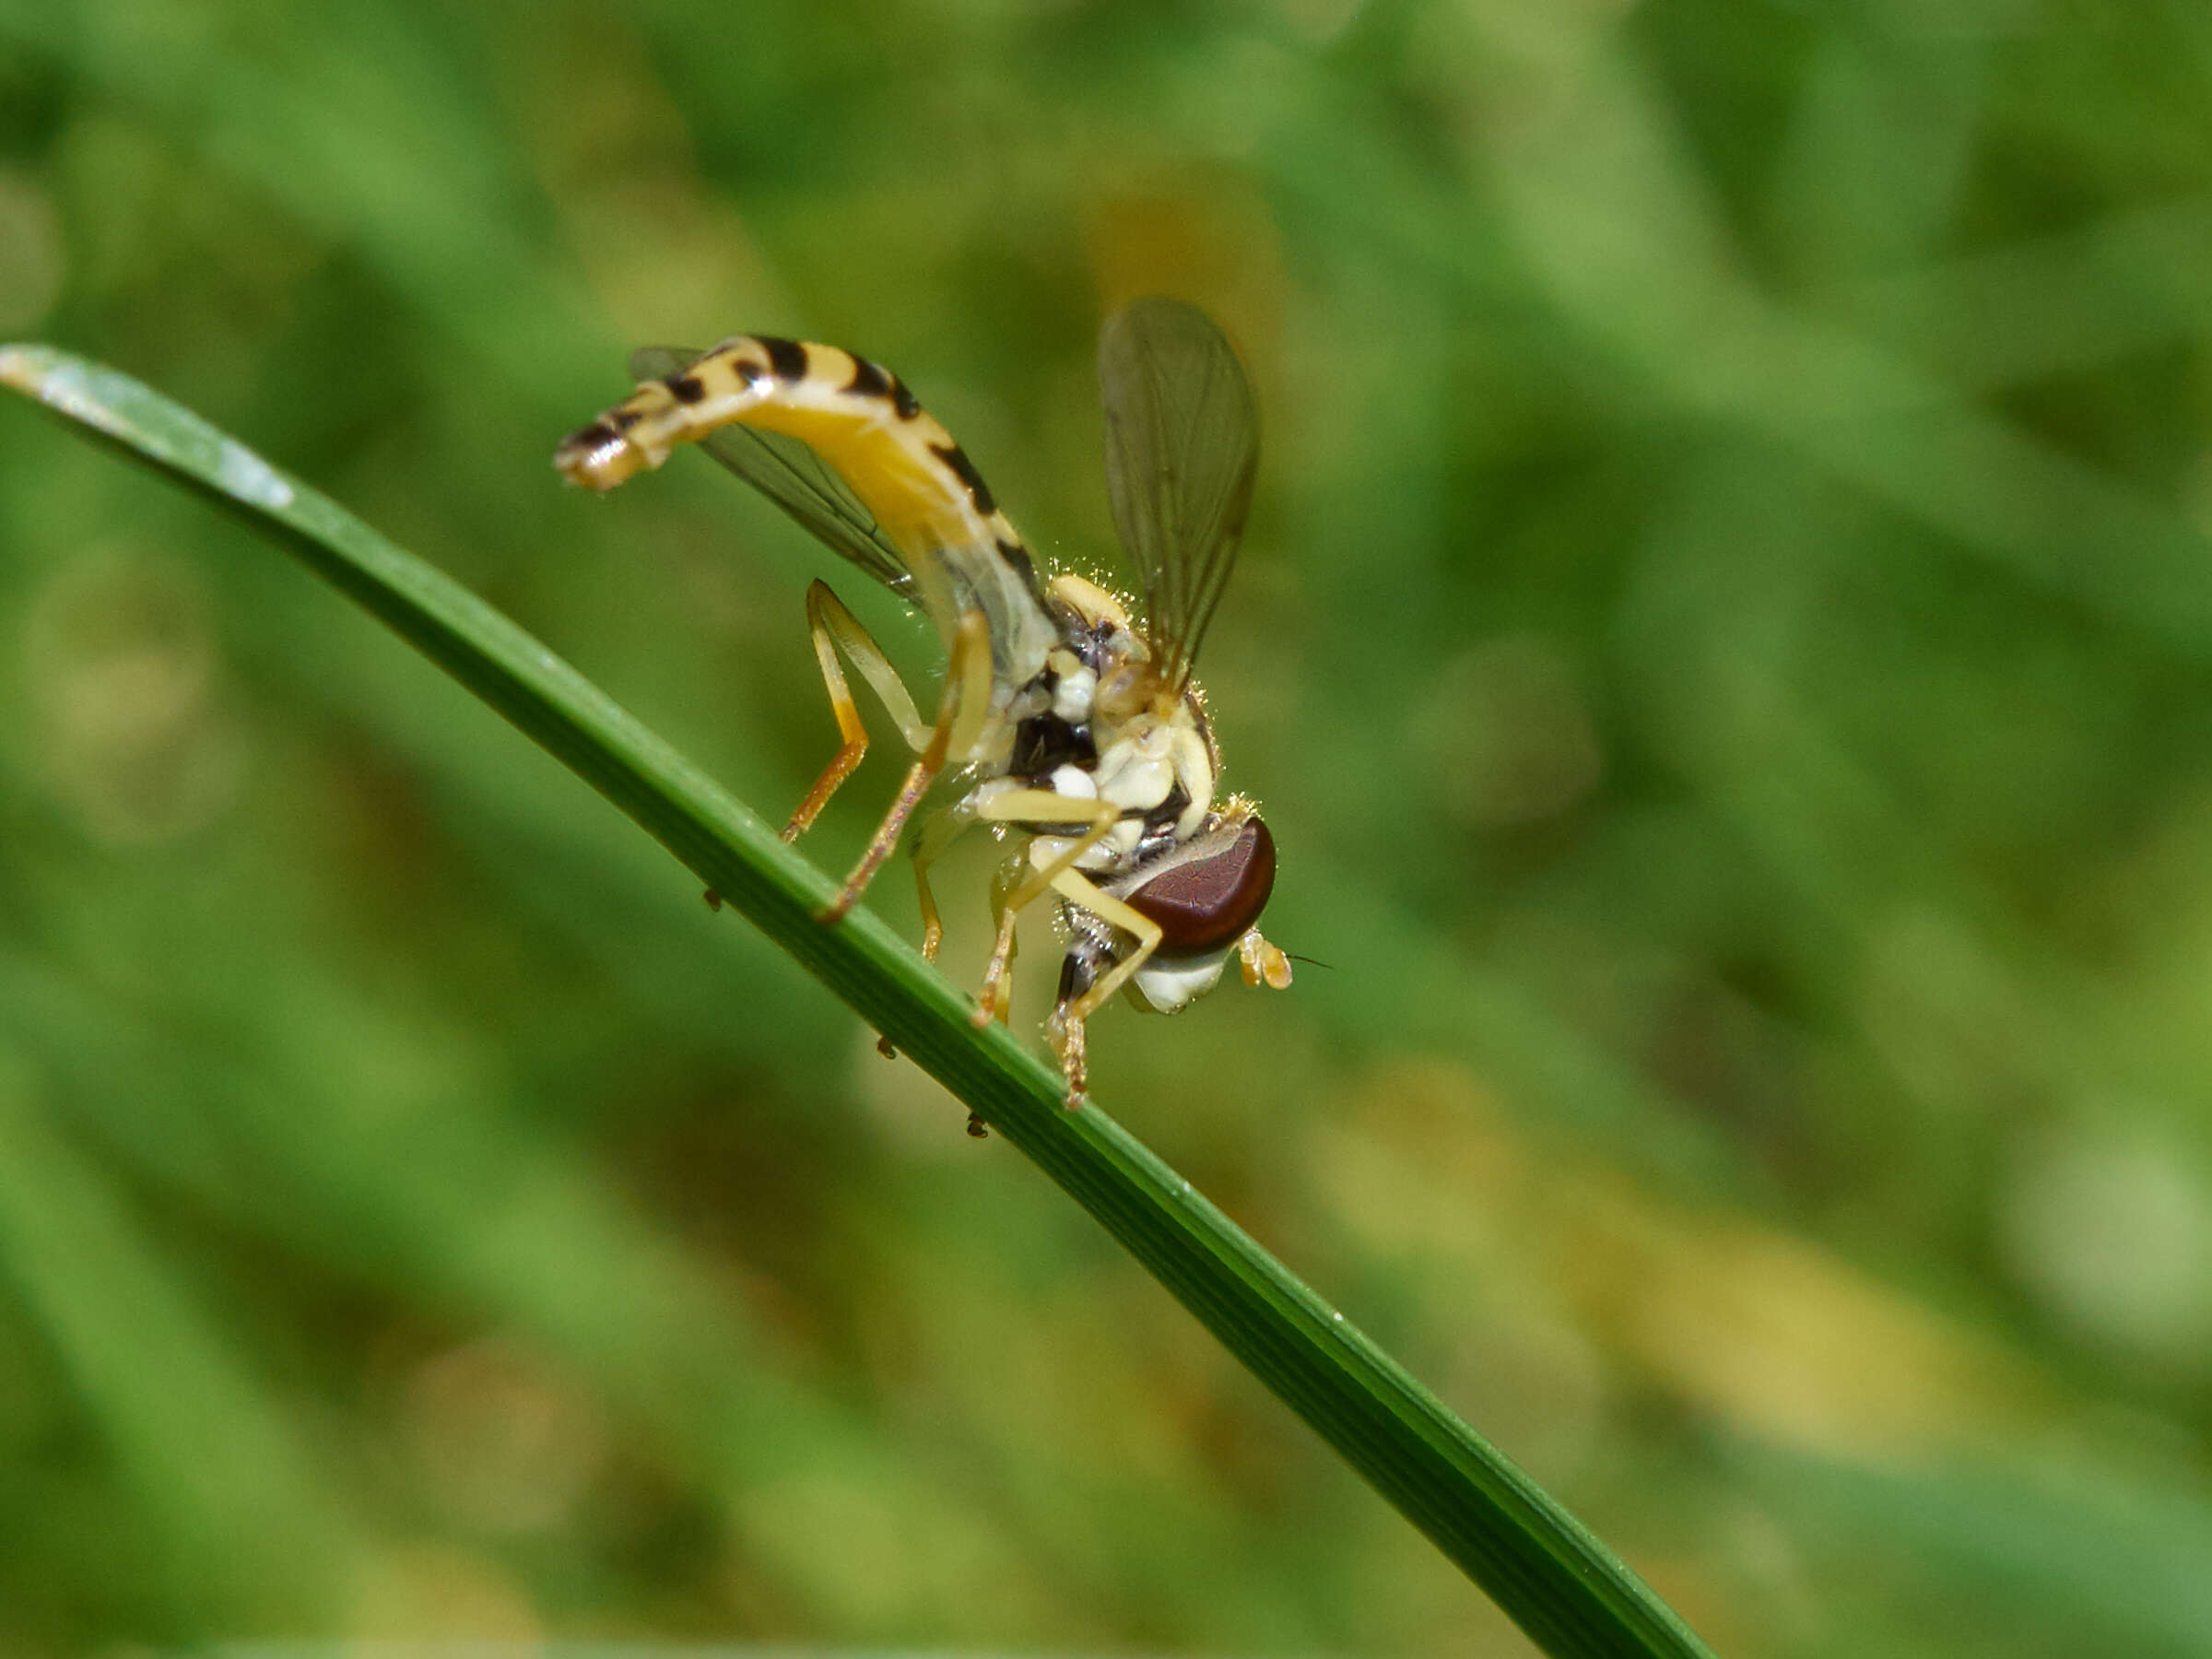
1207	903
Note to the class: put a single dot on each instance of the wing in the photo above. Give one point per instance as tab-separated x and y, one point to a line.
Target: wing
797	479
1182	440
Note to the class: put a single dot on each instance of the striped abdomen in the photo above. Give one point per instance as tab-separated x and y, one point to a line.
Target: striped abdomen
896	457
928	499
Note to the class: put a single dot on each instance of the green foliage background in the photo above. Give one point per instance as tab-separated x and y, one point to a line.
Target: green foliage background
1725	646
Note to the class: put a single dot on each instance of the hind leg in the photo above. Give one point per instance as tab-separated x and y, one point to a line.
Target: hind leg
962	710
836	628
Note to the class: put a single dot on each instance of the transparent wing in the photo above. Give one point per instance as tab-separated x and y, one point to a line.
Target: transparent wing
1182	439
794	478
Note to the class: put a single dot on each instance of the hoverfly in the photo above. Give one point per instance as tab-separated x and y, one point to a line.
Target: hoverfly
1063	716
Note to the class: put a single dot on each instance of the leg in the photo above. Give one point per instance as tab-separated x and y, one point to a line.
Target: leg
1037	807
1004	881
962	708
833	628
939	830
1074	1048
1066	1027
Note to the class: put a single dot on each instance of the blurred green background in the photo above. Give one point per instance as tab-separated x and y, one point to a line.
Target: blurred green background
1724	643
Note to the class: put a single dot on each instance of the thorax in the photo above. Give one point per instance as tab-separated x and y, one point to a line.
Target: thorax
1094	726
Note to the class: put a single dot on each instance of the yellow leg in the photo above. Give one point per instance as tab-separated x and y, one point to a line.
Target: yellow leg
1004	881
1069	1041
834	628
1037	807
1060	875
962	708
1066	1027
938	832
1072	886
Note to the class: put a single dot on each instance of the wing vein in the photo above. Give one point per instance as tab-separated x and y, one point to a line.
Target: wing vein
1181	448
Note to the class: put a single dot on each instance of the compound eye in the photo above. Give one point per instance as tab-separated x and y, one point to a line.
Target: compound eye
1206	904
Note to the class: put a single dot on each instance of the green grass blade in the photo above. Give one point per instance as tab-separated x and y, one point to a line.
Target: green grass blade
1549	1573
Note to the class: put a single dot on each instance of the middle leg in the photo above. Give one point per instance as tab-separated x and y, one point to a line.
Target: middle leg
1093	818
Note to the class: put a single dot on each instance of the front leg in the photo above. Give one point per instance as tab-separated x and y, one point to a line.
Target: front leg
1036	806
1078	1002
